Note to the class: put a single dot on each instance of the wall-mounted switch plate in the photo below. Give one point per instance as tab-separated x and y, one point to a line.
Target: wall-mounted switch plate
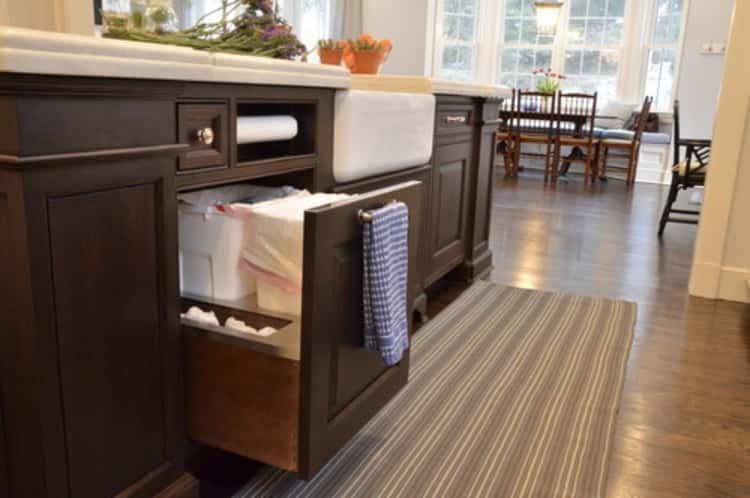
714	48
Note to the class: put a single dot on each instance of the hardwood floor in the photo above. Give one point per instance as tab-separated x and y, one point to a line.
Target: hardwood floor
684	424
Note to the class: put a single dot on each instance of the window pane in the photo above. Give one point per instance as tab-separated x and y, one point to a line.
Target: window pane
597	8
512	31
508	80
452	6
543	58
451	27
616	8
526	61
450	56
613	32
512	8
594	32
573	62
466	28
528	31
576	32
525	82
578	8
609	61
591	61
667	29
510	61
528	8
469	7
660	76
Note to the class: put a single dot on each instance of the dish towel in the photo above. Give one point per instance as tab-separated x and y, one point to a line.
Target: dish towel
385	254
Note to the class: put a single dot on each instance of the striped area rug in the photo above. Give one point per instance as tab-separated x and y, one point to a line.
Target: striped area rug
512	393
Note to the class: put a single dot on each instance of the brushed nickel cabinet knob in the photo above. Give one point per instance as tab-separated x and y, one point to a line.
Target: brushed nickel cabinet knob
205	136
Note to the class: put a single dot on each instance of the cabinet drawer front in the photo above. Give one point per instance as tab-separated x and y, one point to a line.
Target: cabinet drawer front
343	386
454	120
205	127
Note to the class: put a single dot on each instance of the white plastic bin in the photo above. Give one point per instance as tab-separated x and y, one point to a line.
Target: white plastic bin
211	242
210	247
278	300
276	248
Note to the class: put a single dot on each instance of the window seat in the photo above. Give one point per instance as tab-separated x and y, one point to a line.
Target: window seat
656	138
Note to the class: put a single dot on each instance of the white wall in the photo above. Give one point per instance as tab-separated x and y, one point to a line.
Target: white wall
409	24
721	265
700	76
70	16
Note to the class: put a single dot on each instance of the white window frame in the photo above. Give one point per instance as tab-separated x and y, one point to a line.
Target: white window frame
440	43
649	28
632	67
499	44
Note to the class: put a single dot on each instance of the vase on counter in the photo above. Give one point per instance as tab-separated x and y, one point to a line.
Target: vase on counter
138	14
367	61
160	17
331	56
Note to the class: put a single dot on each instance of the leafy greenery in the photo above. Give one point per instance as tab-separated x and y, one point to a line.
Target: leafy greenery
549	82
256	30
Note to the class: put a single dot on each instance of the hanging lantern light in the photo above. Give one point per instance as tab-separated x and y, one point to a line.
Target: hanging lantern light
547	14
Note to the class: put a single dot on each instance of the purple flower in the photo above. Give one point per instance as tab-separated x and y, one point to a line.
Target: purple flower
265	6
275	32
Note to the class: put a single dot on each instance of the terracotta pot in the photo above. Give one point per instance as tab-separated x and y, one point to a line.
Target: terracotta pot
367	61
331	56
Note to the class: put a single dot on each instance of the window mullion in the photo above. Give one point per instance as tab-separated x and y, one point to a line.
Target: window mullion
560	42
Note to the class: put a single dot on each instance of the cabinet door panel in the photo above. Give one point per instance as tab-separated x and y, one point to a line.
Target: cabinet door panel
343	386
450	190
106	275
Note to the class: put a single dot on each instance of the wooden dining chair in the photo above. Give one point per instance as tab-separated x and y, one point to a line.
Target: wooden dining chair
688	171
505	139
575	108
625	150
533	117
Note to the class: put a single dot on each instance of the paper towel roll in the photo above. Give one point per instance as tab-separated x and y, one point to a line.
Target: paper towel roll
253	129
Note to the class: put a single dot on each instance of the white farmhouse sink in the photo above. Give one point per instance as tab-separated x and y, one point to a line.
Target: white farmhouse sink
378	132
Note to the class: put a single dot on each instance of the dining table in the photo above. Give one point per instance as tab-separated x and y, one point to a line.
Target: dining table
575	120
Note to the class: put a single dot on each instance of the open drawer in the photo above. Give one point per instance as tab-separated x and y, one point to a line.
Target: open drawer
294	408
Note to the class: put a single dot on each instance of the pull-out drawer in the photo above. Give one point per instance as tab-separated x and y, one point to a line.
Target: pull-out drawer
294	408
205	128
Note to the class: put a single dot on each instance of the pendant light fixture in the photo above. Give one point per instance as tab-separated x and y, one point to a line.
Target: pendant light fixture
547	14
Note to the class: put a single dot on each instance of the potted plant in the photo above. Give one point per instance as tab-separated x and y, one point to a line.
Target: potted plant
366	55
331	51
549	83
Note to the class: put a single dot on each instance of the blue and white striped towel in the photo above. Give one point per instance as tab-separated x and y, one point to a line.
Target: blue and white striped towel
385	254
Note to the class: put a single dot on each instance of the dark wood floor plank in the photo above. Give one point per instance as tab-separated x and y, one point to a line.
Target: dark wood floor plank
684	423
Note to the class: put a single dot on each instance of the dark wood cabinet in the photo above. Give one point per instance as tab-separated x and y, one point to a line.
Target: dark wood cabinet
478	261
451	173
461	189
92	391
91	380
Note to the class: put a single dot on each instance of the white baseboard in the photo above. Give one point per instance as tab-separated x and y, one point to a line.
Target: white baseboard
713	281
653	164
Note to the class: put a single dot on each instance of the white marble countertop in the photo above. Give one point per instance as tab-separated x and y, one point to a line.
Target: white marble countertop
47	52
422	84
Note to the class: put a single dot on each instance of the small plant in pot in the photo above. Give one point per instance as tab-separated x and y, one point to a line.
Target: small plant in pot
366	55
331	51
548	83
